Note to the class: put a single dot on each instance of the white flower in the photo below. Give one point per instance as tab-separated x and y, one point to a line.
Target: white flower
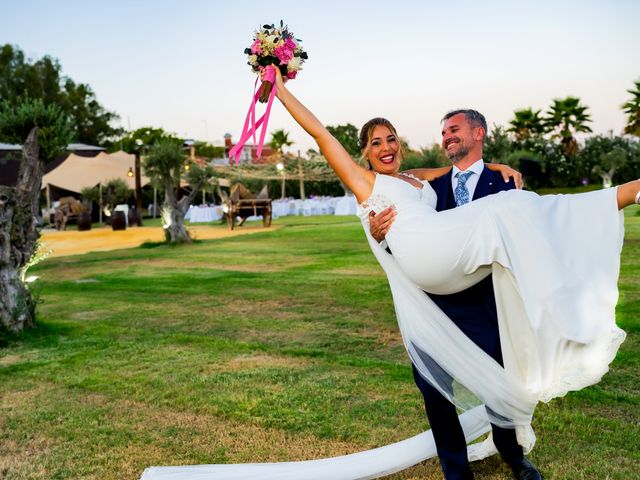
253	59
294	64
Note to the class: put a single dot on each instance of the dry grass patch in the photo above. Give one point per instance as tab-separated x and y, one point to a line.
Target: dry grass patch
20	399
369	270
96	314
247	362
21	460
214	264
11	360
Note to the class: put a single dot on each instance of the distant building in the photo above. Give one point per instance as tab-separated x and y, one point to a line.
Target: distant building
249	153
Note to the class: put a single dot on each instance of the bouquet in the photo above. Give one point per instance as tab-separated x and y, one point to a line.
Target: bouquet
272	47
278	47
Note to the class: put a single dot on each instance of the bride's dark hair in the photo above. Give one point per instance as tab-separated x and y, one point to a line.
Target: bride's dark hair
366	132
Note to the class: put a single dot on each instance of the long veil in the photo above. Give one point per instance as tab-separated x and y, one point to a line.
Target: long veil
369	464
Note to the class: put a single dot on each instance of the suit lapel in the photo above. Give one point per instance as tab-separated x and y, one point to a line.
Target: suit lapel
442	187
485	184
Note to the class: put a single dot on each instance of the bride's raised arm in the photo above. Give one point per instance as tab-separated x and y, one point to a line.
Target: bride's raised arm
358	179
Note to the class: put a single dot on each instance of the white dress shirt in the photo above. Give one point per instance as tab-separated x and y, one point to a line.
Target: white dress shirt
472	181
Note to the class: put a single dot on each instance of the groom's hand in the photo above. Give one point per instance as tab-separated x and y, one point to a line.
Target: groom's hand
379	224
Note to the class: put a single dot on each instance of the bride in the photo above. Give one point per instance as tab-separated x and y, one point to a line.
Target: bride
555	264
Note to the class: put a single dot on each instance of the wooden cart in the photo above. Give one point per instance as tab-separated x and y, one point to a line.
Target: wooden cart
243	204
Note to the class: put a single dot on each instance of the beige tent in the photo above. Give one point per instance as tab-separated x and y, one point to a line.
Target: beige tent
77	172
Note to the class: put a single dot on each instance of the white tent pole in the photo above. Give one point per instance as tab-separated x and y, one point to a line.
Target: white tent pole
100	204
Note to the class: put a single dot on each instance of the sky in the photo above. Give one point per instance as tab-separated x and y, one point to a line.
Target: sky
179	64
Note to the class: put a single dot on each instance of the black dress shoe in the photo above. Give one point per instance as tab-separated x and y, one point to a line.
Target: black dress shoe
525	470
468	475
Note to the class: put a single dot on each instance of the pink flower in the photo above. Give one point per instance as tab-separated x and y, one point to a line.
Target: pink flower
291	75
285	51
256	48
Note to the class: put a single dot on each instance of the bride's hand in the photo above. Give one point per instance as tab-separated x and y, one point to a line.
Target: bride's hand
507	173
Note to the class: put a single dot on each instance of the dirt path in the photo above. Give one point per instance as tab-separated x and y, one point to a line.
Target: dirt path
72	242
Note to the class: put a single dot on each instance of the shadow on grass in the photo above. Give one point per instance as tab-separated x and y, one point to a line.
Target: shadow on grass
149	245
42	335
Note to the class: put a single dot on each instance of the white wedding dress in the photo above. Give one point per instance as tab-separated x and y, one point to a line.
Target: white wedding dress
555	262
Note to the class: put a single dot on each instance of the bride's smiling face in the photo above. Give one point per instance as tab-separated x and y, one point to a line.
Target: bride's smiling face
383	154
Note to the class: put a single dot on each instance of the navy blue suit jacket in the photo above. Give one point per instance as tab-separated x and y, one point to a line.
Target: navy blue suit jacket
473	310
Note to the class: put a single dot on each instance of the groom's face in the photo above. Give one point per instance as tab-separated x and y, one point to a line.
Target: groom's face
458	137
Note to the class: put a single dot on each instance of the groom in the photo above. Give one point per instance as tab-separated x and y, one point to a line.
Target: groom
473	310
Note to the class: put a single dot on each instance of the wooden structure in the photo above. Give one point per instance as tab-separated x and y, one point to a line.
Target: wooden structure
240	202
69	208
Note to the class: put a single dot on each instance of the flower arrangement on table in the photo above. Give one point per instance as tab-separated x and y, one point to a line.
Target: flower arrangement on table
275	46
272	47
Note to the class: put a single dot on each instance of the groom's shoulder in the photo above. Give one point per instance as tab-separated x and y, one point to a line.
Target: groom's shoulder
444	180
495	182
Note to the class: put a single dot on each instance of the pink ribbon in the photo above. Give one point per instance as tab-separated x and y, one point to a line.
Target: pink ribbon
250	124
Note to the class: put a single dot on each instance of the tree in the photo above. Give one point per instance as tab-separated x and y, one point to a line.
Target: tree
609	163
526	124
165	163
613	156
565	118
497	145
90	121
347	135
280	139
632	109
44	133
42	79
426	157
204	149
143	138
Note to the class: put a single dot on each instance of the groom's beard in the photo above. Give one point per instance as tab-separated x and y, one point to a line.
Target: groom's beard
458	155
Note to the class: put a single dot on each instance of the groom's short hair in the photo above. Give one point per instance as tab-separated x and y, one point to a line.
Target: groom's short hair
474	117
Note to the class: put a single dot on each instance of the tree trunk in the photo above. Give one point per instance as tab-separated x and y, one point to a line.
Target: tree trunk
18	237
173	212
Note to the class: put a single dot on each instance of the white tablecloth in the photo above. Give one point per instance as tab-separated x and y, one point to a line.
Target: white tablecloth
346	205
203	214
314	206
123	208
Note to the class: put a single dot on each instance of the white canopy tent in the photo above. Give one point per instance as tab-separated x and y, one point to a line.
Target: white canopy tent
77	172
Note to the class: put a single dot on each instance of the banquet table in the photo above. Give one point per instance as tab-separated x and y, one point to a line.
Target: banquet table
346	205
203	214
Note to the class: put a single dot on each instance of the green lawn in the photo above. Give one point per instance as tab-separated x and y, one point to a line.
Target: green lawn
280	345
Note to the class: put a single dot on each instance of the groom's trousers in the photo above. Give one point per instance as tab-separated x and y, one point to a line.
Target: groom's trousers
474	312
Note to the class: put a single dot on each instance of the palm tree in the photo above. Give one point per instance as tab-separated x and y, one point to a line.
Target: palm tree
565	118
280	139
526	124
632	109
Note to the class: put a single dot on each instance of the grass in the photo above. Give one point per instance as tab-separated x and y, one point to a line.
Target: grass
280	345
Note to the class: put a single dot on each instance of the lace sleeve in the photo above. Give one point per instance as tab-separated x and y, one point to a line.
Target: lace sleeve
375	203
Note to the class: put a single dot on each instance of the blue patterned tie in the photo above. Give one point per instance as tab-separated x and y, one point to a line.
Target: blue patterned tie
461	193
